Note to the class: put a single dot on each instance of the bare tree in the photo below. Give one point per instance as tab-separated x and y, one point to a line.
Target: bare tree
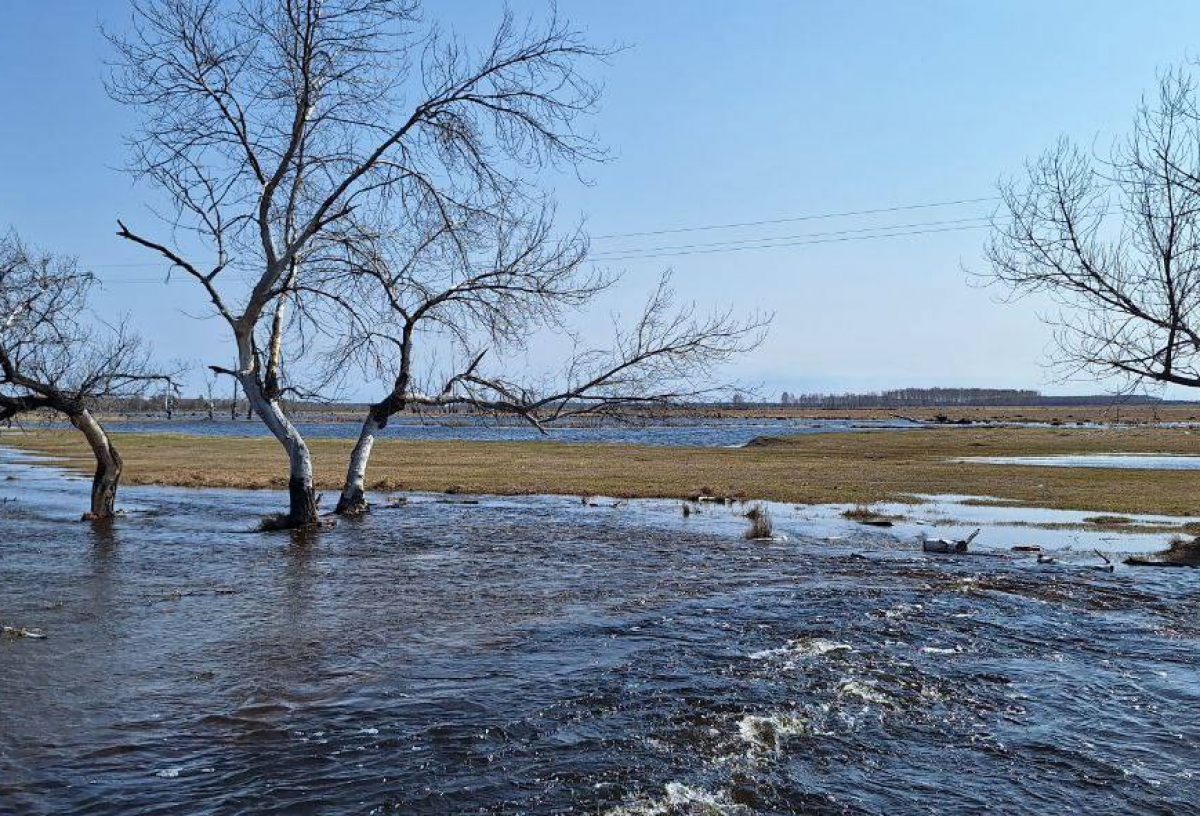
210	400
476	288
1116	242
51	357
270	124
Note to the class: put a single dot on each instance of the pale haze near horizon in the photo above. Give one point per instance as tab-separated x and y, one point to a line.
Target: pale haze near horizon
714	114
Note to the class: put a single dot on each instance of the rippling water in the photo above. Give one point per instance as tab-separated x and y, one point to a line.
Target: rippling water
537	656
697	432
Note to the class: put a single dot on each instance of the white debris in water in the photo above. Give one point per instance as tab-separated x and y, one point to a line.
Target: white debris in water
169	773
683	800
769	732
803	647
368	730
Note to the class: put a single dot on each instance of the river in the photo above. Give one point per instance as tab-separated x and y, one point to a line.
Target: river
533	655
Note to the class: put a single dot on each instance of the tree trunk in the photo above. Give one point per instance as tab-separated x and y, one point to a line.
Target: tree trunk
108	466
353	499
302	501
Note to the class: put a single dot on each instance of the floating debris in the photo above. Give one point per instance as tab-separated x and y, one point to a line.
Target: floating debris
946	545
865	515
1182	552
18	632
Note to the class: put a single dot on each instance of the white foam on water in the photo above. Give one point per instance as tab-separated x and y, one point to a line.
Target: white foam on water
769	732
867	692
802	648
683	800
938	650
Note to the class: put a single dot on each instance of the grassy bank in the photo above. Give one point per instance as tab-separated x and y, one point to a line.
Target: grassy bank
818	468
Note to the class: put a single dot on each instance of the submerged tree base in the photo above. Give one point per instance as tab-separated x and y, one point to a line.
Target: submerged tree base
284	521
102	518
353	505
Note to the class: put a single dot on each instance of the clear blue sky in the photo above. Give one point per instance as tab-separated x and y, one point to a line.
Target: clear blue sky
717	113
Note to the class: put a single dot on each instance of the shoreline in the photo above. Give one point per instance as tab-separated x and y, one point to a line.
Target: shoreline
837	468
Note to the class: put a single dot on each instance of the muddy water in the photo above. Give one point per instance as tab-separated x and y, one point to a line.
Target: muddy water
538	656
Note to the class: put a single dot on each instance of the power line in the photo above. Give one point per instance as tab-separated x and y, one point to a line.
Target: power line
793	219
767	242
856	230
781	242
636	257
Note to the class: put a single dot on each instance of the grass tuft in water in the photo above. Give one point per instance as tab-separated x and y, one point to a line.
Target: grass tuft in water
761	525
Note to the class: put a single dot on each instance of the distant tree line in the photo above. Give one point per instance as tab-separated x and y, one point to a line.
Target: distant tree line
952	397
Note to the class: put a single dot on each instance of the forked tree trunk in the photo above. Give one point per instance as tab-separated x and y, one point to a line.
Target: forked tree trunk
354	499
108	466
302	499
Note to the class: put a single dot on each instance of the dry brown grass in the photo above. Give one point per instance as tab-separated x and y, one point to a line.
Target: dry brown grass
853	468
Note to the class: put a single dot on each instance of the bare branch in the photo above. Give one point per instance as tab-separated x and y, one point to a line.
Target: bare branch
1116	242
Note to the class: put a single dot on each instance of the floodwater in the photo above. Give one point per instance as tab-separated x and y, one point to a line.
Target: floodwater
1002	524
533	655
684	431
1128	461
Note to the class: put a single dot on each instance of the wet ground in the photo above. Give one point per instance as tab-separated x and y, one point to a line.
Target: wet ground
538	656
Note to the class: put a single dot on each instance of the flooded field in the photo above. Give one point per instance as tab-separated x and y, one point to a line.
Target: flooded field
535	655
686	431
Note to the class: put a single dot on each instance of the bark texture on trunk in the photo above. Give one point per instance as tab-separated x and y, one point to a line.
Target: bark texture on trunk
108	466
354	499
302	499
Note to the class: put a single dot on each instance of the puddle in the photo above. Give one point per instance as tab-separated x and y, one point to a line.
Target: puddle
1127	461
